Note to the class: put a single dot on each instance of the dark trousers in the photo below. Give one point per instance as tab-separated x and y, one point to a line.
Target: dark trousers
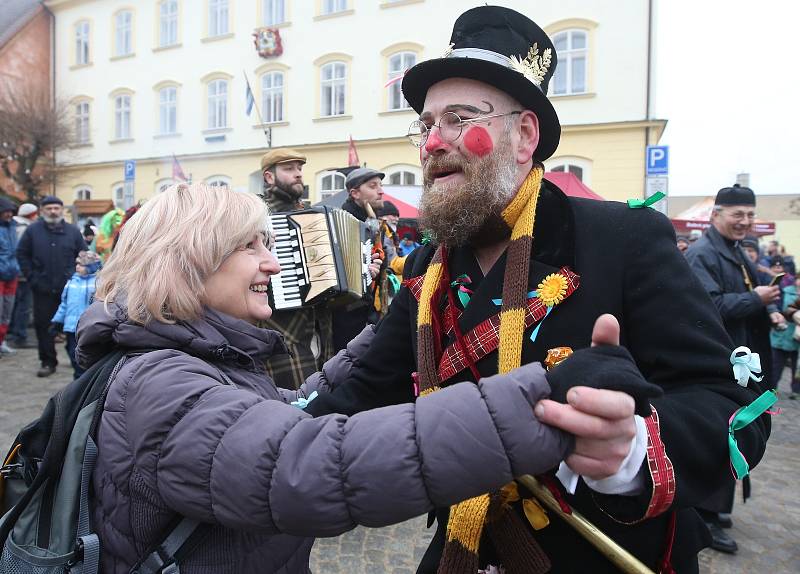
45	306
72	342
779	357
21	315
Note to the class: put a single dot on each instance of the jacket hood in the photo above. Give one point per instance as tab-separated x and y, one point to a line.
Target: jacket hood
214	337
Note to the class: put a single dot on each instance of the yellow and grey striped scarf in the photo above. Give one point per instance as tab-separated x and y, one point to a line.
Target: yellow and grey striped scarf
513	541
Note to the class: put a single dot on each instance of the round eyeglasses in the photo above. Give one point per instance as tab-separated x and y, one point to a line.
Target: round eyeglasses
450	127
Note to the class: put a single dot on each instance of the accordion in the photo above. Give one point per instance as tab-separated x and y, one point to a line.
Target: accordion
324	254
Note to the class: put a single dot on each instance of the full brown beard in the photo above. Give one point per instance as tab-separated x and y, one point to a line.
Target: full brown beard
457	214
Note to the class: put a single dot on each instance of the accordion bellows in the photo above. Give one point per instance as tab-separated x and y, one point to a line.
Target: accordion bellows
324	255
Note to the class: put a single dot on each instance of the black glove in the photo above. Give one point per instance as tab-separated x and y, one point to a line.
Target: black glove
56	328
603	367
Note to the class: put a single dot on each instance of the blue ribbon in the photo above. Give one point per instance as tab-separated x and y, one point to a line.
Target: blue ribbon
745	365
302	403
531	295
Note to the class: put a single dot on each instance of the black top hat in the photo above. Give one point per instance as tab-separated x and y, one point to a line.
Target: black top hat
503	48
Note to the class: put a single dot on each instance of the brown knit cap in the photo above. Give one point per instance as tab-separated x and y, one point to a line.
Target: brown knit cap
281	155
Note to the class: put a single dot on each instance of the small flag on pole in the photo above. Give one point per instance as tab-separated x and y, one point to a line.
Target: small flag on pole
177	171
251	100
352	154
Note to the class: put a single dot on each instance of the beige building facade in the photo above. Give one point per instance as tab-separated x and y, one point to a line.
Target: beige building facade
154	79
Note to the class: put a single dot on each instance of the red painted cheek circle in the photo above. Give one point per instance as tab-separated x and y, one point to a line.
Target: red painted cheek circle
478	141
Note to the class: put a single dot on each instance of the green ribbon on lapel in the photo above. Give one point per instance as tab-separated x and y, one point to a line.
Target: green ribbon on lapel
463	293
741	419
641	203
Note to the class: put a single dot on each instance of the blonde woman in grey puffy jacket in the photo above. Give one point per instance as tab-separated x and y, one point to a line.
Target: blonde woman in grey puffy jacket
188	278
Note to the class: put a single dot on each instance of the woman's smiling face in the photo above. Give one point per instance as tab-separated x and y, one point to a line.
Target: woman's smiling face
239	287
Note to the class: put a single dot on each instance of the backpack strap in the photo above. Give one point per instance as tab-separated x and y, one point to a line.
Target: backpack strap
163	559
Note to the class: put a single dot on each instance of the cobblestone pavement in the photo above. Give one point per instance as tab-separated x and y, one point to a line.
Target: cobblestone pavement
765	528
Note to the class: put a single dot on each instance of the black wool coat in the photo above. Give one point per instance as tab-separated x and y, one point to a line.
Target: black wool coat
745	317
46	255
630	267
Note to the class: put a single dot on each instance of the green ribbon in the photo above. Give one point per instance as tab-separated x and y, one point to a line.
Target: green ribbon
741	419
394	282
462	292
641	203
426	237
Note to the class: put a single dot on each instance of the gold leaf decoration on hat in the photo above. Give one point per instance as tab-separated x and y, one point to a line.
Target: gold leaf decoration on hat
534	67
449	50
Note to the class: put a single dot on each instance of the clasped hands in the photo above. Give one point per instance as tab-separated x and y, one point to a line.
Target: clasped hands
601	420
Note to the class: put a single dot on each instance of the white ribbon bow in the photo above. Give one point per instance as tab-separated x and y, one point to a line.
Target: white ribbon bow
302	402
745	365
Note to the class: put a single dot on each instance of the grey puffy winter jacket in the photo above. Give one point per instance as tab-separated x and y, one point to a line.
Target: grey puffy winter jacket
174	439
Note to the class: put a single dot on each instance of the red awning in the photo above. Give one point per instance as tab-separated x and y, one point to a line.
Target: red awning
570	184
407	211
698	216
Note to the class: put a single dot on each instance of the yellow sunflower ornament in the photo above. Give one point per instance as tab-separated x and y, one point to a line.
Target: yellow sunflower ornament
552	289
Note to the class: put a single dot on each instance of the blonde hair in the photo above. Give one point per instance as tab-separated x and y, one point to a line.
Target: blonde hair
173	244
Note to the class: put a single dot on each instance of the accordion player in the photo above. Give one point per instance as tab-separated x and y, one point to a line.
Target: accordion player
324	254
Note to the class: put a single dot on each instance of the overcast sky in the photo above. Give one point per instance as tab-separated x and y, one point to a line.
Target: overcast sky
728	82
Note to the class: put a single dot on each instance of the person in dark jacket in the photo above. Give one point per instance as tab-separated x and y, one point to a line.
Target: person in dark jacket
46	254
282	170
21	316
364	199
9	268
747	308
193	426
515	272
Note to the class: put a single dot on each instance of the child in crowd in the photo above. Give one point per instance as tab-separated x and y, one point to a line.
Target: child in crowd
78	293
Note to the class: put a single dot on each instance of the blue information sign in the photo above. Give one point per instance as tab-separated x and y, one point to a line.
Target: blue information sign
657	160
130	170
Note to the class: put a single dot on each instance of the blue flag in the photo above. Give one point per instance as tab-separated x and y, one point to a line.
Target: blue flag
251	100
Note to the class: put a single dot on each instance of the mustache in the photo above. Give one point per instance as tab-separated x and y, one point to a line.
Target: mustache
439	164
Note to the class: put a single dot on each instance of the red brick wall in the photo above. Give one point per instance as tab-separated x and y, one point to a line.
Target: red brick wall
25	58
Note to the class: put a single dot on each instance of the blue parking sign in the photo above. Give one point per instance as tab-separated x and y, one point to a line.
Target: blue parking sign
657	158
130	170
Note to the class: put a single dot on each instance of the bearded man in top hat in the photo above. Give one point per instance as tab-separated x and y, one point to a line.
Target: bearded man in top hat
516	269
282	170
748	310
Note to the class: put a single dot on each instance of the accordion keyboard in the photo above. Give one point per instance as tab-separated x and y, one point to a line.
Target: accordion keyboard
286	285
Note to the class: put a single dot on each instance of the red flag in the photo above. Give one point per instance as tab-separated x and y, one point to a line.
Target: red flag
177	172
352	154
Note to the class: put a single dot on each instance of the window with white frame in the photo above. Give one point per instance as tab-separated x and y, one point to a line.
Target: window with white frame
168	23
82	43
272	97
118	195
83	192
334	86
273	12
82	122
398	64
578	166
333	6
572	49
168	110
219	181
330	183
217	17
217	104
403	178
122	117
124	33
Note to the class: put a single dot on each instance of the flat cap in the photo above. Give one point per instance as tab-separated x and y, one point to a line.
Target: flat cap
50	200
280	155
359	176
